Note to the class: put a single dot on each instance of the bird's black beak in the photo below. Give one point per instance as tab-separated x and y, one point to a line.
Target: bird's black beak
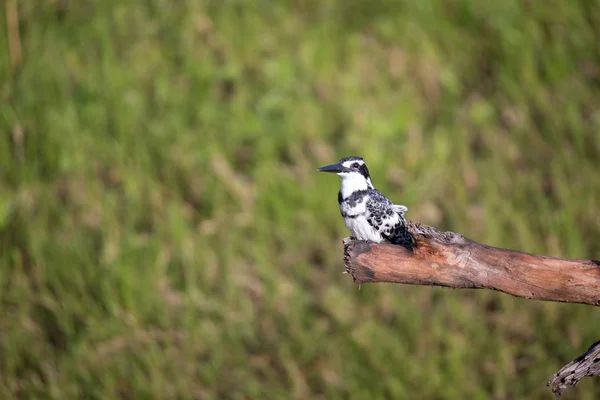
335	168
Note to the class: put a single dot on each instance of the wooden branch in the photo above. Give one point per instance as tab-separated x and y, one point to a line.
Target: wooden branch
587	364
452	260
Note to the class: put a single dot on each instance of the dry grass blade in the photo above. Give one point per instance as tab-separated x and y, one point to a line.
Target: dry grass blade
14	37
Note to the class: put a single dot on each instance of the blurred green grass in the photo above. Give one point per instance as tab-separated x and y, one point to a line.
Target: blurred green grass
164	234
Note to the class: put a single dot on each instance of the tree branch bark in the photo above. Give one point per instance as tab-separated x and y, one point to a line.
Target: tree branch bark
587	364
452	260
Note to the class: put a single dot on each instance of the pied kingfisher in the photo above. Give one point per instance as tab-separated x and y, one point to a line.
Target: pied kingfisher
367	213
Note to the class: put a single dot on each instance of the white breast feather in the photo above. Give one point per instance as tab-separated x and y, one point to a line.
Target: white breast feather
353	183
361	229
359	226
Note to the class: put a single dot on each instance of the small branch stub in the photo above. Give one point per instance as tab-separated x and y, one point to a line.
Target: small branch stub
587	364
451	260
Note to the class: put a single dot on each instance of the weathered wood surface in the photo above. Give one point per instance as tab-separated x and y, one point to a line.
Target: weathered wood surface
452	260
587	364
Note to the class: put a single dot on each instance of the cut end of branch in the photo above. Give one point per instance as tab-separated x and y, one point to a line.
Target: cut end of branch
347	242
352	249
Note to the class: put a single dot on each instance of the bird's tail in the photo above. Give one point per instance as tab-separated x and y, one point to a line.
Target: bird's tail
400	209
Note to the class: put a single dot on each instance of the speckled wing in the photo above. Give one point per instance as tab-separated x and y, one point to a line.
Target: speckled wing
385	216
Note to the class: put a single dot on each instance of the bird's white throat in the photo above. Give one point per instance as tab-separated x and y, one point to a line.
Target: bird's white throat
354	182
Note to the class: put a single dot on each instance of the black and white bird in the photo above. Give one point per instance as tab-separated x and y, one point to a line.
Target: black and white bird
367	213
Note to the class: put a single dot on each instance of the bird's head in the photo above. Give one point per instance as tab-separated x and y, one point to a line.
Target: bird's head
350	168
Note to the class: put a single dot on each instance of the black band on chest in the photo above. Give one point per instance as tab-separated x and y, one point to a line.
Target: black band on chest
351	216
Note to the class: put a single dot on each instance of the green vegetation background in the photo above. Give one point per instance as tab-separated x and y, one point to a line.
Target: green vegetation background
164	233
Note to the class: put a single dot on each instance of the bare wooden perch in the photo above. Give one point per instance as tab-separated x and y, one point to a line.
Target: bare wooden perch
451	260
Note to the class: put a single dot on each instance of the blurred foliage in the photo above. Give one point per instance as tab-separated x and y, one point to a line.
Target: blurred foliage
164	233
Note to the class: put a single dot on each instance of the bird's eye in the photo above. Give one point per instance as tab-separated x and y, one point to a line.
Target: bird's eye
355	165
